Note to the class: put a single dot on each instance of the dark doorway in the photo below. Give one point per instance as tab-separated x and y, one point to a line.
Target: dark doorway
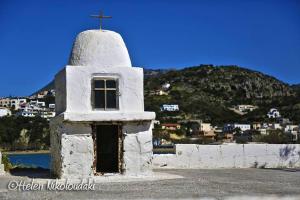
107	148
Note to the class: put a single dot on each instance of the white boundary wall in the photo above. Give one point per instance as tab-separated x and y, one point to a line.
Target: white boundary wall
230	156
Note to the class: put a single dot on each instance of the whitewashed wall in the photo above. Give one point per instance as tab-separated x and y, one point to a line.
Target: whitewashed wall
230	156
137	148
72	149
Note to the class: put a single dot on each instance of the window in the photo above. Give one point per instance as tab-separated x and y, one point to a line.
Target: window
105	94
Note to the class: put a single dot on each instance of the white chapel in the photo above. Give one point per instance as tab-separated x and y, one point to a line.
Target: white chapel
100	125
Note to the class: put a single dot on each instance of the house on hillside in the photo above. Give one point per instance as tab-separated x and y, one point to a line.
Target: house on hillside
37	108
284	121
231	127
27	113
51	106
43	94
245	108
38	103
166	86
4	112
207	131
160	92
208	135
169	107
292	129
273	113
5	102
205	127
16	102
256	125
275	126
171	126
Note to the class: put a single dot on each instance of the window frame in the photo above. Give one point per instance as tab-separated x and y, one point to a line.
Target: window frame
93	100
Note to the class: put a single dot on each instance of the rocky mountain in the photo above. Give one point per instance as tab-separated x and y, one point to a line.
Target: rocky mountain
155	72
207	92
296	87
48	87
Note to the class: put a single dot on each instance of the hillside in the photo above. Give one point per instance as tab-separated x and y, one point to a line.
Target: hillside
206	92
48	87
296	87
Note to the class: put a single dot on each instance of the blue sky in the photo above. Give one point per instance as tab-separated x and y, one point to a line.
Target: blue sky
36	36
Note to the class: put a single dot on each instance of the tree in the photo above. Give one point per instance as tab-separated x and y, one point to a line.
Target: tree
17	132
274	137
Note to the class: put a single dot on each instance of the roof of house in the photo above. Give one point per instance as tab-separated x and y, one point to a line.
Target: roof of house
170	124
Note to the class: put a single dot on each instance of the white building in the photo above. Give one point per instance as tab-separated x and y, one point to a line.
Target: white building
27	113
205	127
169	107
16	102
246	108
292	129
5	102
52	106
37	108
242	127
4	112
47	114
101	126
37	103
273	113
166	86
275	126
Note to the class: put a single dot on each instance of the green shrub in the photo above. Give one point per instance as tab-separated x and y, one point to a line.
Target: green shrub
7	164
274	137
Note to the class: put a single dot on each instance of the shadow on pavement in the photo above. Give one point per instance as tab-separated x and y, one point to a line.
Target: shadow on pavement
284	169
31	172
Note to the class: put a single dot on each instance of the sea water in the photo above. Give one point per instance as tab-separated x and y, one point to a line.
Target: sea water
31	160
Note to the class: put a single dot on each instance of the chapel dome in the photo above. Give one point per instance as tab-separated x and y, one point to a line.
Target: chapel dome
101	48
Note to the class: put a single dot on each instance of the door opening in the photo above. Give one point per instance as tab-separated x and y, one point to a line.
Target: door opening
107	149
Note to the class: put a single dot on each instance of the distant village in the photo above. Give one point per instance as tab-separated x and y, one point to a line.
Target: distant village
166	133
198	131
31	106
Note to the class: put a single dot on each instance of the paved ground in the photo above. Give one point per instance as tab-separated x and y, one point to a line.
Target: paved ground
212	183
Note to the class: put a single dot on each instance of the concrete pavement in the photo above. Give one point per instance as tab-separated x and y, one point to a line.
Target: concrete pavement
180	184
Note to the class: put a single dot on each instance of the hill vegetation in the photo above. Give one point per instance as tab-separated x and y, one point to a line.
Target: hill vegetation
207	92
24	133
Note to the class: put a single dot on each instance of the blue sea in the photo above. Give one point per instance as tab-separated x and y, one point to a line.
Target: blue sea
31	160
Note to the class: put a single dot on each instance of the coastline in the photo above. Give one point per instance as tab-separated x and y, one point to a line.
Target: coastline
26	152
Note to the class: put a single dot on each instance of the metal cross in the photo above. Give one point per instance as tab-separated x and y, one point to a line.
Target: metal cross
101	16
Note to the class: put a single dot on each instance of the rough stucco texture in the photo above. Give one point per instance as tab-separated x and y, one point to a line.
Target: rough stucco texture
100	54
72	150
100	48
230	156
138	148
